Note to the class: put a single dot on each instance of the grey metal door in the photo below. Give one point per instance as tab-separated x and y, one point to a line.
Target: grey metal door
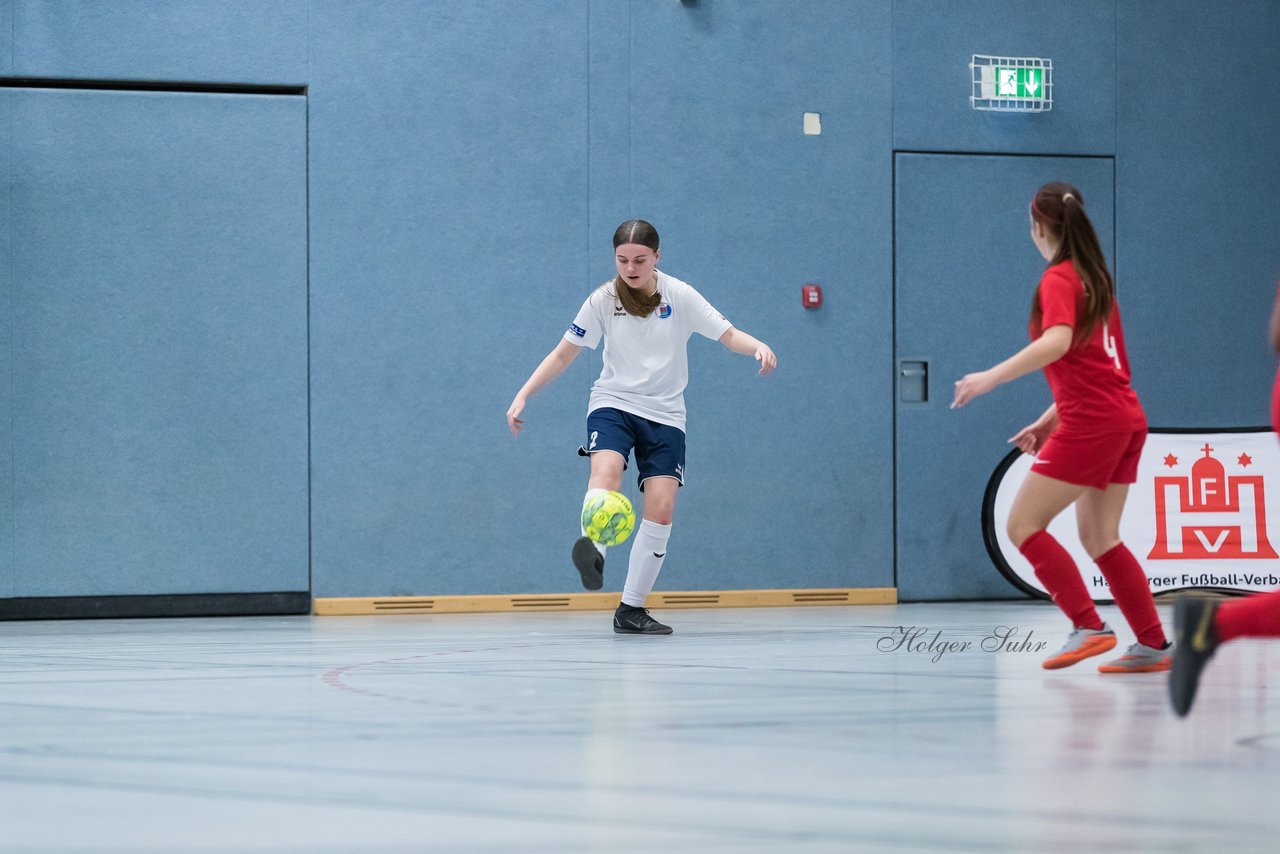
965	273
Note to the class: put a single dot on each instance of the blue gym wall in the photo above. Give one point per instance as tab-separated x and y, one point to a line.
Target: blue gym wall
465	165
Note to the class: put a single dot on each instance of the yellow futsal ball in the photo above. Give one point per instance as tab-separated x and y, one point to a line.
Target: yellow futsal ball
608	519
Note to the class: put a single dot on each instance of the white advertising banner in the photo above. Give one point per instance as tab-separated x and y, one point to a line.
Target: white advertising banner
1204	513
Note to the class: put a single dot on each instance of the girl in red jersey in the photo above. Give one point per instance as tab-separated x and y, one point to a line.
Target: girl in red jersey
1086	444
1202	623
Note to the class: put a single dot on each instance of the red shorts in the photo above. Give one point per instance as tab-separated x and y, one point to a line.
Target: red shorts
1098	461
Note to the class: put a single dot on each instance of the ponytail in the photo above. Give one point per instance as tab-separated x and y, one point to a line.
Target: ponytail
1059	207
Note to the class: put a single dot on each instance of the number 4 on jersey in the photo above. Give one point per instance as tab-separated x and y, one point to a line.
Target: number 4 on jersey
1109	345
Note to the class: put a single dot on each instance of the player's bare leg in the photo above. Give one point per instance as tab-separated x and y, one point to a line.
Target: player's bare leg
588	557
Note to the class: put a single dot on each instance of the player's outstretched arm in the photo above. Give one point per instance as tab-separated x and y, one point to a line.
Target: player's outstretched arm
550	368
747	345
1045	350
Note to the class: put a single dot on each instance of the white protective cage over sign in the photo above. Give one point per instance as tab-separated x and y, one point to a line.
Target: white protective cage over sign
1011	84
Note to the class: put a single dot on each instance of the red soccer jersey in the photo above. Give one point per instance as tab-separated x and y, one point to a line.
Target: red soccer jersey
1090	383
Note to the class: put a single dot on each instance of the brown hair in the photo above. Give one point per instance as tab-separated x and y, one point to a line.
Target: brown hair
1059	207
642	233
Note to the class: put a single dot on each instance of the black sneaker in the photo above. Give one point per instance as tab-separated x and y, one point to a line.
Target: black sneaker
590	563
636	621
1195	641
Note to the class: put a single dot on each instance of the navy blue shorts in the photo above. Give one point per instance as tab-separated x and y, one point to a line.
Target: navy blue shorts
659	447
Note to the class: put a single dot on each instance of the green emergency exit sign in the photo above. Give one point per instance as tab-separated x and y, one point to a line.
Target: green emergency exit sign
1017	84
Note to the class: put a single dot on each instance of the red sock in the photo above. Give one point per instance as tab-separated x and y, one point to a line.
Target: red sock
1255	617
1061	577
1132	592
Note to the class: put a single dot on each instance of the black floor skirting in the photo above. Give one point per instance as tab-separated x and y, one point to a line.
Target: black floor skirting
186	605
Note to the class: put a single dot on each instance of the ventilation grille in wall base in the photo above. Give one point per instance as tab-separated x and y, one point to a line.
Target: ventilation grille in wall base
603	601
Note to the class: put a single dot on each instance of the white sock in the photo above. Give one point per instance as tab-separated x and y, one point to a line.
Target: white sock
647	551
591	493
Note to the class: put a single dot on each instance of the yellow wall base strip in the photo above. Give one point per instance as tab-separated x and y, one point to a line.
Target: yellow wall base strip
603	601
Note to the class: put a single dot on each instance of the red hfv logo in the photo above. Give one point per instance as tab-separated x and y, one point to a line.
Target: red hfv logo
1210	515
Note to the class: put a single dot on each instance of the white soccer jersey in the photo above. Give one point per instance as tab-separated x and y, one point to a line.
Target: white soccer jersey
646	359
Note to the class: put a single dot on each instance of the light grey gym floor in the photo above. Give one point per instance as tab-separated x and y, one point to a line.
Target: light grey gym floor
749	730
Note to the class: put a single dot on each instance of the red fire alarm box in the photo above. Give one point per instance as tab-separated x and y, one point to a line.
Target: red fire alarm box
812	295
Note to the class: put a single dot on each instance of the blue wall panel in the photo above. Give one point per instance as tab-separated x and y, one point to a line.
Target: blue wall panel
449	230
6	324
751	208
610	90
240	41
1198	183
6	36
158	343
934	42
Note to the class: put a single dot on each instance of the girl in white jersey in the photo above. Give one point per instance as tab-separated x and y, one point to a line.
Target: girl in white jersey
645	318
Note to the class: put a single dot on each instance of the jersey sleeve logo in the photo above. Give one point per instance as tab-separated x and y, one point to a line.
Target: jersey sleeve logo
577	330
